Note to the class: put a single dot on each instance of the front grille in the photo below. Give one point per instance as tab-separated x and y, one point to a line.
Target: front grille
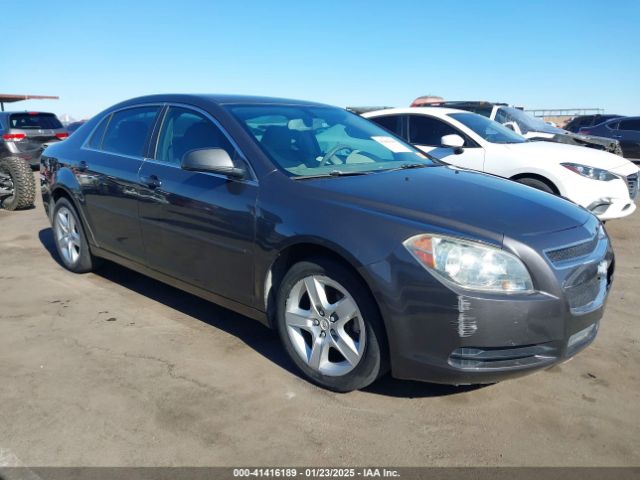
574	251
632	183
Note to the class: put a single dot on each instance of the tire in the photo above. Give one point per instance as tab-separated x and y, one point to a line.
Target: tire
337	363
24	185
535	183
70	238
618	150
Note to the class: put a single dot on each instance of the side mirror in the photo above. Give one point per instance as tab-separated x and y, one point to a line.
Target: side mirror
214	160
510	125
454	141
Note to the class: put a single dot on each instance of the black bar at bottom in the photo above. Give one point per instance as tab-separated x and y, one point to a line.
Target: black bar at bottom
405	473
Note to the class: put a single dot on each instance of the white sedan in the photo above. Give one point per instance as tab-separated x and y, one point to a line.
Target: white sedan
603	183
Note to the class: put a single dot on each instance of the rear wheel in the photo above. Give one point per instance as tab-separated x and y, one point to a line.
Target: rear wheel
17	184
535	183
330	326
70	238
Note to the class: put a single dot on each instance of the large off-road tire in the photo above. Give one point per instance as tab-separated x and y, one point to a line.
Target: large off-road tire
16	174
71	239
330	325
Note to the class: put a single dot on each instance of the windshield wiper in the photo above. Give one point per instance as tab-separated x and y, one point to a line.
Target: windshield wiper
340	173
407	166
332	173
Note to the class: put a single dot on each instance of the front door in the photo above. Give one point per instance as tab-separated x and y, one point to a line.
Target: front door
197	227
426	132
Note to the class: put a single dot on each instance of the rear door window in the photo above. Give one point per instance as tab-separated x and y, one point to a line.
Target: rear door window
630	124
34	121
128	131
393	123
98	134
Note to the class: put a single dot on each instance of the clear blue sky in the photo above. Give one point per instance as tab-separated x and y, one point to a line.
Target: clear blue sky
540	54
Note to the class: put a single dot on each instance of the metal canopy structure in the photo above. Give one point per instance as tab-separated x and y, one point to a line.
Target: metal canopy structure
10	98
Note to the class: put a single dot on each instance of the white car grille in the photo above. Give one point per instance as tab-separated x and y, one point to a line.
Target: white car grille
632	183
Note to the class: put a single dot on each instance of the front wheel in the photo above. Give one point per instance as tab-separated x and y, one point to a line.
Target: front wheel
330	326
537	184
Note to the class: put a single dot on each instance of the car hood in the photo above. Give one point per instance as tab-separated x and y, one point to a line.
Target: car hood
559	152
460	200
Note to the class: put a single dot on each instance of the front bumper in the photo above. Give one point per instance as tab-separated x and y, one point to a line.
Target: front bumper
612	208
441	335
608	200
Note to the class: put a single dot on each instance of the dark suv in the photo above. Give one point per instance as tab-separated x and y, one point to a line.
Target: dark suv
22	134
363	253
625	130
22	139
582	121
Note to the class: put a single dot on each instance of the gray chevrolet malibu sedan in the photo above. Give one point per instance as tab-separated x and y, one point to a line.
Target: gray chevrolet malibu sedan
364	254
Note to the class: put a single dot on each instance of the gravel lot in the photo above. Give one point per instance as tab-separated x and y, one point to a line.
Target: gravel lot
117	369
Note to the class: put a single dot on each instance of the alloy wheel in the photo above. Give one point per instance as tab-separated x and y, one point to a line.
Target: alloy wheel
67	235
325	325
6	185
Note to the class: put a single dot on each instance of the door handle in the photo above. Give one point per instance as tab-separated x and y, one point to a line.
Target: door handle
150	181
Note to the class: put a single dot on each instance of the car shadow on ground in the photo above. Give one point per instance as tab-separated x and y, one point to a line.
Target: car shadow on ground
255	335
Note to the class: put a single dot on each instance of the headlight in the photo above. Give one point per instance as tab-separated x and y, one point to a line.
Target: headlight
590	172
470	265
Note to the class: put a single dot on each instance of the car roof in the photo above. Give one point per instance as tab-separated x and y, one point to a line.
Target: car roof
433	111
596	115
218	99
473	103
620	118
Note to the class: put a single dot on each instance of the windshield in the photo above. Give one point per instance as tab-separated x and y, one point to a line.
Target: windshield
317	141
526	122
488	129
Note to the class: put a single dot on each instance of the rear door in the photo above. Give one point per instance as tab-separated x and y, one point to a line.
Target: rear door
628	134
426	132
198	227
108	176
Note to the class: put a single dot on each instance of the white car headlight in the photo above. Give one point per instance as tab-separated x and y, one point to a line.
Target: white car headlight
590	172
470	265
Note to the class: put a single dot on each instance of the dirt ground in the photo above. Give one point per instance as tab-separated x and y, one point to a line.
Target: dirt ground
115	369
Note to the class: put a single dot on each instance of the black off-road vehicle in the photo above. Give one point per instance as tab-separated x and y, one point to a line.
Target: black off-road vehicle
22	139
